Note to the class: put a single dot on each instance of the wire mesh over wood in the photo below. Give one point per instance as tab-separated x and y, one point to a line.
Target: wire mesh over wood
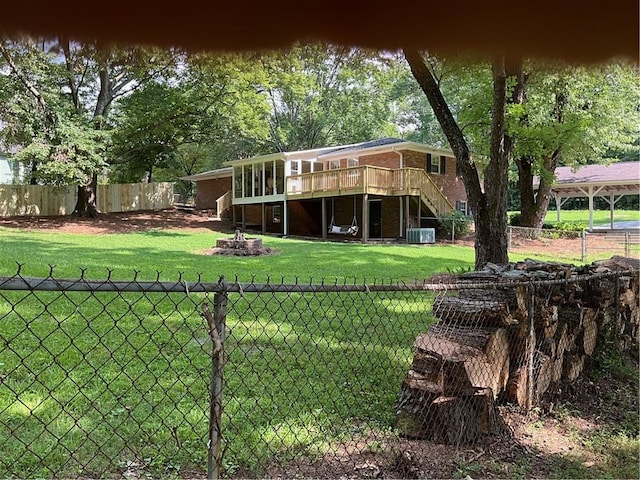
228	379
537	327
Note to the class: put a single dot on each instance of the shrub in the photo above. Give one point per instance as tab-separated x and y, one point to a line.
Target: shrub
456	221
515	219
570	226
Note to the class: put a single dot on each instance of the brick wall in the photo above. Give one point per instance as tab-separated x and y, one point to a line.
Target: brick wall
451	185
208	191
384	160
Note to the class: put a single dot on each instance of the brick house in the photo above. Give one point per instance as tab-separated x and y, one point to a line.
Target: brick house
369	191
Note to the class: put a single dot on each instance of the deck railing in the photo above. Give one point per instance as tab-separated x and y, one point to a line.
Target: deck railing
369	179
224	203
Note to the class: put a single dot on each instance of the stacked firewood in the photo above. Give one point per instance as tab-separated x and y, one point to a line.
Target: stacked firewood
508	333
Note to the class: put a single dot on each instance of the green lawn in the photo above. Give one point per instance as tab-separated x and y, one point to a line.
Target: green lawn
92	371
171	252
600	217
127	375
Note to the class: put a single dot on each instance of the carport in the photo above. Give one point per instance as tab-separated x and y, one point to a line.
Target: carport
611	182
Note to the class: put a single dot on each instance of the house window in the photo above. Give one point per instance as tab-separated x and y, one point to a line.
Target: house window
436	164
352	162
461	206
334	164
277	213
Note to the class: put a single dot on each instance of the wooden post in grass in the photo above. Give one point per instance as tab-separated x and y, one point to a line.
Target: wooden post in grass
216	323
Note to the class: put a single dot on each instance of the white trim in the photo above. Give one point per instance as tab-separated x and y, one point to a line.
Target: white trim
262	199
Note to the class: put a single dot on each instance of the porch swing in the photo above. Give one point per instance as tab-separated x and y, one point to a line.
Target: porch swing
344	229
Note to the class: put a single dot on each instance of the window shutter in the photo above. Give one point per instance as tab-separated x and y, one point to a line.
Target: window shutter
443	162
428	163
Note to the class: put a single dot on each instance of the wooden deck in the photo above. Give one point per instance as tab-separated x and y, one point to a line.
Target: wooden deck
370	180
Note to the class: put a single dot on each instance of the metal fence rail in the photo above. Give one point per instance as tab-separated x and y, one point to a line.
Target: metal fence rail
133	378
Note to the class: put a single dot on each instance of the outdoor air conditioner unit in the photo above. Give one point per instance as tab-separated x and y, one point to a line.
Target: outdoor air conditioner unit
421	235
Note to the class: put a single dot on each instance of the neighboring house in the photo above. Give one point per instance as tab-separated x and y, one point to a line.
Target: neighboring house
372	190
10	171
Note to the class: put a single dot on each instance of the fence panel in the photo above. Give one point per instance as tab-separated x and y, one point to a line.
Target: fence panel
46	200
98	383
135	379
18	200
581	246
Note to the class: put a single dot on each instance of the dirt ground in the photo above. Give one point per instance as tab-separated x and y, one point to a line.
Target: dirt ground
549	442
125	222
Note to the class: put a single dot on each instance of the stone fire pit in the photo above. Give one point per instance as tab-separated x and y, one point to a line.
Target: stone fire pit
240	246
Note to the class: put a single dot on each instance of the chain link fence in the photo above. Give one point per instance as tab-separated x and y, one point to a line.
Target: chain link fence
104	379
578	245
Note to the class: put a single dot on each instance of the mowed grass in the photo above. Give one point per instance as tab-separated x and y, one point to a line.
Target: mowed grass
103	384
172	252
600	217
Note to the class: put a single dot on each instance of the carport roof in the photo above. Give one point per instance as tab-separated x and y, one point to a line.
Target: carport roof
616	178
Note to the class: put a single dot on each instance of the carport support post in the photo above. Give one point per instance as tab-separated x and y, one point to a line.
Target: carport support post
216	322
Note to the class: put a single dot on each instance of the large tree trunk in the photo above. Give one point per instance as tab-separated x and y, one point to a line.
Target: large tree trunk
534	205
86	206
488	207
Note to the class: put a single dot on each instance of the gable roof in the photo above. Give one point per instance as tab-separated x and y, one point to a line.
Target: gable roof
615	172
365	145
615	178
381	145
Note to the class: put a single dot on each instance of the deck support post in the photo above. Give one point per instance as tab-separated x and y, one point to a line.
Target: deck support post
365	218
401	219
285	218
407	212
244	218
264	218
324	219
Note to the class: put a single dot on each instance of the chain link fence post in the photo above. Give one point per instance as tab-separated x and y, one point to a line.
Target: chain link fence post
531	346
626	244
584	246
216	322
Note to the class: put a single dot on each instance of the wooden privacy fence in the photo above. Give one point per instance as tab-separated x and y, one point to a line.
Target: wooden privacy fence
46	200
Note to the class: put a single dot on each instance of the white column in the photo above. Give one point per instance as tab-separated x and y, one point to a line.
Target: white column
611	204
590	207
285	218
